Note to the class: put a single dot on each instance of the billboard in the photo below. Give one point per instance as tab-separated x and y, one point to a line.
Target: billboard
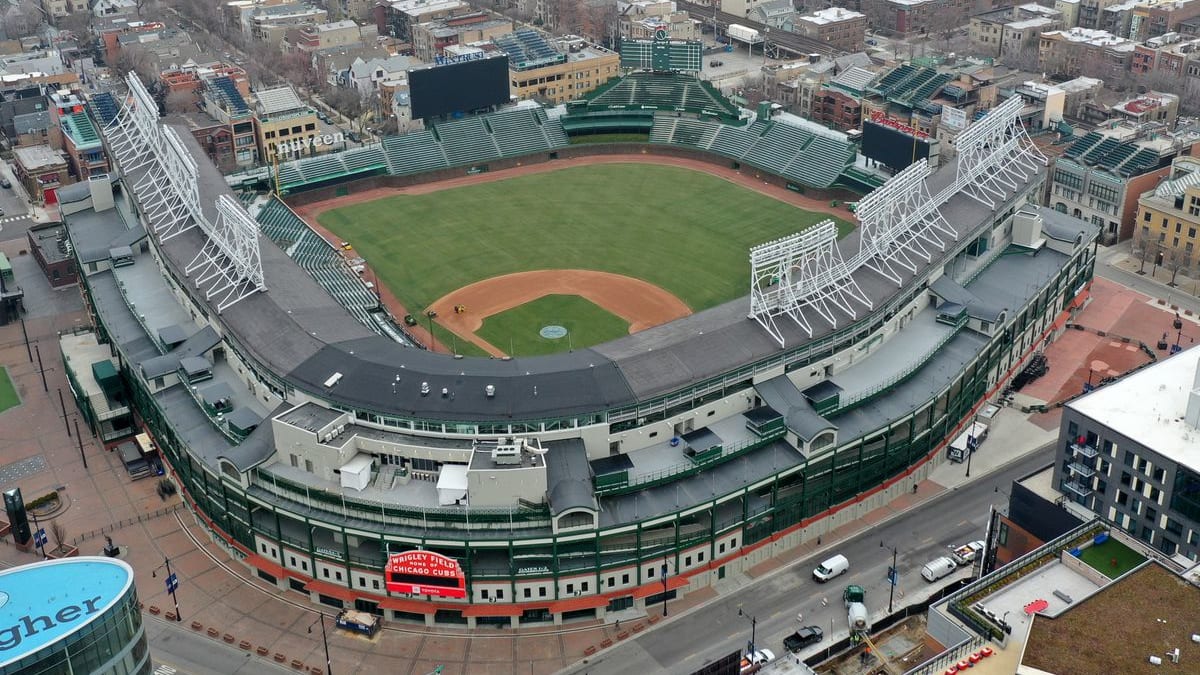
954	118
458	86
43	603
894	144
662	53
425	573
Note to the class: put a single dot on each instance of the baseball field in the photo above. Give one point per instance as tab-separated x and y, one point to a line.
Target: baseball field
665	230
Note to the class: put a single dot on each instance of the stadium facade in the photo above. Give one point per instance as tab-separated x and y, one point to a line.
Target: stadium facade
315	445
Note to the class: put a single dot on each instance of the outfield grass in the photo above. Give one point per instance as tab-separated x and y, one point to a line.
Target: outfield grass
515	332
683	230
8	393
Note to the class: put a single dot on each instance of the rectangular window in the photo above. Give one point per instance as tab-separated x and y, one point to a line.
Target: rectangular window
499	593
570	590
1002	535
1126	478
541	591
1128	458
1122	498
624	578
484	594
529	592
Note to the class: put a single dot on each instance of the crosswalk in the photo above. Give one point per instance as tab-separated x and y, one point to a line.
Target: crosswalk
12	218
165	670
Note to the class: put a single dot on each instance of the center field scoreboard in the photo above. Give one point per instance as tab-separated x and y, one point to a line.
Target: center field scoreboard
662	54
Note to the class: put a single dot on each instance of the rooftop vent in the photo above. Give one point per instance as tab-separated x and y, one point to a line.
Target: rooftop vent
424	388
333	380
490	391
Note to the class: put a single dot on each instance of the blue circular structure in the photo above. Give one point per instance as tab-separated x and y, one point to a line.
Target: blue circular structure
74	615
553	332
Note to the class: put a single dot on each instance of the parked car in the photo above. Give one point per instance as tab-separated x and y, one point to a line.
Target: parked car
752	663
351	136
715	63
6	183
805	637
322	116
938	568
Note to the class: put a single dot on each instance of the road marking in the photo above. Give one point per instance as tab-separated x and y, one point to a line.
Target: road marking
165	670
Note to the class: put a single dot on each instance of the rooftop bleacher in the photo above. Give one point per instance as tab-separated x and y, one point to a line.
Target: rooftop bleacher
104	107
665	91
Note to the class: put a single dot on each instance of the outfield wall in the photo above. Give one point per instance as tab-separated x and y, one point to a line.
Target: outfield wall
578	152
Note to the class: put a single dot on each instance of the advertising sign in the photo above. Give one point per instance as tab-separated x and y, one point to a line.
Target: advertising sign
425	573
43	603
954	118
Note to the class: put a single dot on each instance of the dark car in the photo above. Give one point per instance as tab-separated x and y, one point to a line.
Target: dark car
353	137
4	182
809	635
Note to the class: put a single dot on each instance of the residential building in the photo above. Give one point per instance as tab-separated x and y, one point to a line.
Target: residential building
1154	106
334	64
286	125
38	62
1036	514
114	8
1169	215
17	102
794	85
639	20
1127	451
162	48
1152	18
1167	55
41	170
839	103
555	71
740	7
215	138
912	17
1118	19
48	244
430	39
358	10
221	100
1101	175
1082	51
396	18
779	14
79	137
1091	13
190	79
842	29
338	34
1006	32
57	9
379	74
111	34
1068	11
271	23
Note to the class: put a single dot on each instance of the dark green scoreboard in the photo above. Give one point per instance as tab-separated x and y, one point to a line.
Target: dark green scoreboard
662	54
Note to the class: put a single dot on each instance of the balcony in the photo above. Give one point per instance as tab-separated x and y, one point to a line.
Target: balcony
1087	451
1081	470
1076	488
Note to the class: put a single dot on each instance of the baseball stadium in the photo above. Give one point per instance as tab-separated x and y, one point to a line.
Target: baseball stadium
542	364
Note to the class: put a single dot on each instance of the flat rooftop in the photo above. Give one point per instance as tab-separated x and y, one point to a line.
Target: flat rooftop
1149	406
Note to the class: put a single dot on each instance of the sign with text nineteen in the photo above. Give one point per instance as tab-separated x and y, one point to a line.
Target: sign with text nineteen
425	573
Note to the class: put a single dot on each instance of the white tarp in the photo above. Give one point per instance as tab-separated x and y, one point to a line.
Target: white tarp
356	473
452	484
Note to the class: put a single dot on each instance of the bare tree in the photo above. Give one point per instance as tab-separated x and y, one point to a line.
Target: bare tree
1174	260
1144	247
23	19
1024	57
180	102
135	60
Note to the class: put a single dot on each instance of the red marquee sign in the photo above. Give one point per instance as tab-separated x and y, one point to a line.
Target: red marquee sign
425	573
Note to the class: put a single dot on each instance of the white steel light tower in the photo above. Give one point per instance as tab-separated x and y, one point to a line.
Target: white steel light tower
228	267
995	155
900	222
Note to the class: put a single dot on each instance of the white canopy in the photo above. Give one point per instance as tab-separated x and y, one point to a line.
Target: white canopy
452	484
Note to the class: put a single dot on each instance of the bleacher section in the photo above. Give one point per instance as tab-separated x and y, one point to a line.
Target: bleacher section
104	107
317	257
793	152
1083	145
416	152
227	90
521	131
331	165
663	91
467	141
1104	152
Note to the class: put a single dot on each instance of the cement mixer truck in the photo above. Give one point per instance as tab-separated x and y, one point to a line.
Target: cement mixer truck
857	619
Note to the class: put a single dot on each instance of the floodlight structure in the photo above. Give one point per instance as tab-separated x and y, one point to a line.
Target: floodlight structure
803	271
900	222
995	156
228	267
133	132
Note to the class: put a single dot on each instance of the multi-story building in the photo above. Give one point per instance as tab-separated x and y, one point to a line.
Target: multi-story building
1155	106
1127	451
431	38
214	136
1068	11
1081	51
96	626
1169	215
161	48
1101	175
1091	13
222	100
839	103
358	10
555	71
794	85
1167	54
1118	19
271	23
842	29
378	74
740	7
57	9
41	170
1006	32
397	17
286	126
639	20
191	79
909	17
79	137
338	34
1152	18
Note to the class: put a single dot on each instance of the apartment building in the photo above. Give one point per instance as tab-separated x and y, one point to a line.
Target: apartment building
396	18
555	71
286	125
1082	51
431	38
842	29
337	34
1005	32
1167	54
1170	214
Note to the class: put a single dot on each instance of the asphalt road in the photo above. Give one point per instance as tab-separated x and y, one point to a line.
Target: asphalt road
176	651
686	643
1144	283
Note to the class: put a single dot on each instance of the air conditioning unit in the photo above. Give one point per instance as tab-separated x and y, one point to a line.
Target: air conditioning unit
506	454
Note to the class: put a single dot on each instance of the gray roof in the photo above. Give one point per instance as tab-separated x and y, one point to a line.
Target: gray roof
199	343
855	78
569	477
279	100
1061	227
781	393
173	334
31	122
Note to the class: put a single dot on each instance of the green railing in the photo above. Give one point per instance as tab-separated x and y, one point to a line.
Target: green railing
682	470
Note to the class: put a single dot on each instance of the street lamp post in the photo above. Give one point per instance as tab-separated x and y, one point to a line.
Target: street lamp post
172	583
893	577
972	443
324	641
664	579
753	628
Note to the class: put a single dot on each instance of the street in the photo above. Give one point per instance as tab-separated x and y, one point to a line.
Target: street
686	643
176	650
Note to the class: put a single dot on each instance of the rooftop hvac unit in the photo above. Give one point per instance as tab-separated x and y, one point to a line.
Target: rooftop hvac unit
506	454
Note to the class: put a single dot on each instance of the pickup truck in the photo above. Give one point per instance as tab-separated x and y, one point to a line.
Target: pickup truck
965	554
807	636
752	663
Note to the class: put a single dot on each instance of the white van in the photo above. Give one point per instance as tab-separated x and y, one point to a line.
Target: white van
835	566
938	568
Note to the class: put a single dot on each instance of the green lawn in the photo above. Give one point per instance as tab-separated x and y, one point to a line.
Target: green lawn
1100	557
8	393
685	231
515	332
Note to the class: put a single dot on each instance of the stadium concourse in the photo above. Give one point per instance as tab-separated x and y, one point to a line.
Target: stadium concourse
326	455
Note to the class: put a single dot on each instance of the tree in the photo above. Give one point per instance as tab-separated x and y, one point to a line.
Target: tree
23	19
180	102
1174	260
1145	247
132	59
